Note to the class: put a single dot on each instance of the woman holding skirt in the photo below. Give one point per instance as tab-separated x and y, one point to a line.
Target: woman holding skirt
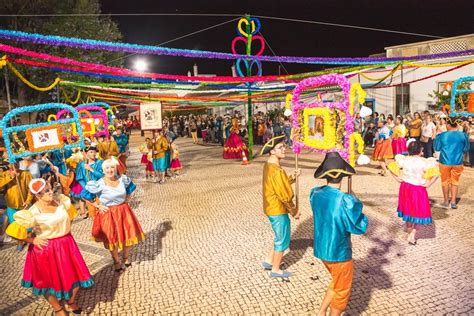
115	223
418	174
54	266
399	142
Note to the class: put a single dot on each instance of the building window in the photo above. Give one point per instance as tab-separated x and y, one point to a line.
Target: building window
400	108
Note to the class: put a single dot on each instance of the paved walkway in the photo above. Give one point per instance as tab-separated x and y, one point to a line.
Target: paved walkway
206	236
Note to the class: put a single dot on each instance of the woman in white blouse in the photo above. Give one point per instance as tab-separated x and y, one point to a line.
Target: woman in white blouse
54	266
115	224
418	174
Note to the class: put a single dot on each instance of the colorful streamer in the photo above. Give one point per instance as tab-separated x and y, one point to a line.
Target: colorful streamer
156	50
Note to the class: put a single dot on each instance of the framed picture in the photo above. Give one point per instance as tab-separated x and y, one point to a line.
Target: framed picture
150	116
318	128
44	138
88	127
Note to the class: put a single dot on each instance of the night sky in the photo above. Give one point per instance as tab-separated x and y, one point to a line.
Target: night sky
435	17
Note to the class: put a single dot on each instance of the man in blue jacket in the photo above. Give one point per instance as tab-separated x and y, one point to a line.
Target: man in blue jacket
452	145
336	216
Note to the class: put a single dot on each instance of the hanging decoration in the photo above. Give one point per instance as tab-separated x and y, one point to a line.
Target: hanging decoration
41	137
157	50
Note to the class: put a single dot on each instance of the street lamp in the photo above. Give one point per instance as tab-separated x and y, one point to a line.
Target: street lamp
140	65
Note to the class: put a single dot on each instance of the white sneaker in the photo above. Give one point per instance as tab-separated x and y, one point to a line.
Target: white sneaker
5	238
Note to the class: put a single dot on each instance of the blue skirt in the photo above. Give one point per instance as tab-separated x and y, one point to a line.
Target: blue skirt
159	164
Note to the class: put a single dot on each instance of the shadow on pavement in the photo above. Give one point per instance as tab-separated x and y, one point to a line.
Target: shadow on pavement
369	276
301	240
107	280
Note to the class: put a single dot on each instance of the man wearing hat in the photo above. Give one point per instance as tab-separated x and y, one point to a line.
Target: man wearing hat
452	145
336	216
277	203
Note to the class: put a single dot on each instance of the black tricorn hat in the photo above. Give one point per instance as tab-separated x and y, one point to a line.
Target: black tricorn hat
271	144
89	148
333	166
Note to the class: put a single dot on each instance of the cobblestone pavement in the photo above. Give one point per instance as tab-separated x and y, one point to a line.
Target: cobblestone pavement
206	236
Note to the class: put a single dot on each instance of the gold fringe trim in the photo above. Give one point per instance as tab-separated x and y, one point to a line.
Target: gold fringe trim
120	245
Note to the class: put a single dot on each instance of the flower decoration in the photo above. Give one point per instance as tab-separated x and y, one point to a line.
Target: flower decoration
356	88
355	138
298	106
31	128
454	92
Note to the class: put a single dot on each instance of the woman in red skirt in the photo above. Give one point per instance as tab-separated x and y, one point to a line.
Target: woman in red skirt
54	266
115	223
383	147
418	174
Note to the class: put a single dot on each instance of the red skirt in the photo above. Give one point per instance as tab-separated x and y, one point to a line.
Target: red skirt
175	164
399	146
56	269
117	228
383	150
149	166
234	146
144	160
413	204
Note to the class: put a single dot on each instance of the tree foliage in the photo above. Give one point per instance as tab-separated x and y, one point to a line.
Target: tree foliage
87	27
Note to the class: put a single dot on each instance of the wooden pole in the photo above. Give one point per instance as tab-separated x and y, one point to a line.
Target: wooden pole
7	87
349	184
297	183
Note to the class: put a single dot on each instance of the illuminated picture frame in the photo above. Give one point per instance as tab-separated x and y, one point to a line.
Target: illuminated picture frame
329	132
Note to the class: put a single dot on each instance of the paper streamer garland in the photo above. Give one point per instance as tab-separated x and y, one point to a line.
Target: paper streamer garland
455	92
12	156
156	50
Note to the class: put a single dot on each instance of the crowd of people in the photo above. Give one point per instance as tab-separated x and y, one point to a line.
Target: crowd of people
41	192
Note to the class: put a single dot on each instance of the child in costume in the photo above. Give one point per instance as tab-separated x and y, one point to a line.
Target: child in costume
146	158
418	174
277	203
54	266
383	147
175	162
336	216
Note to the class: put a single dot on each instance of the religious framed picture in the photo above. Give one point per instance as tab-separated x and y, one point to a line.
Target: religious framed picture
150	116
318	128
44	138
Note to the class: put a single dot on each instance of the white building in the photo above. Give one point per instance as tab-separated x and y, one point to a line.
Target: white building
415	95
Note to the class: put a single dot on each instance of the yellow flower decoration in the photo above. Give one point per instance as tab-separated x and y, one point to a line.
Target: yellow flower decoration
355	138
289	97
361	94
